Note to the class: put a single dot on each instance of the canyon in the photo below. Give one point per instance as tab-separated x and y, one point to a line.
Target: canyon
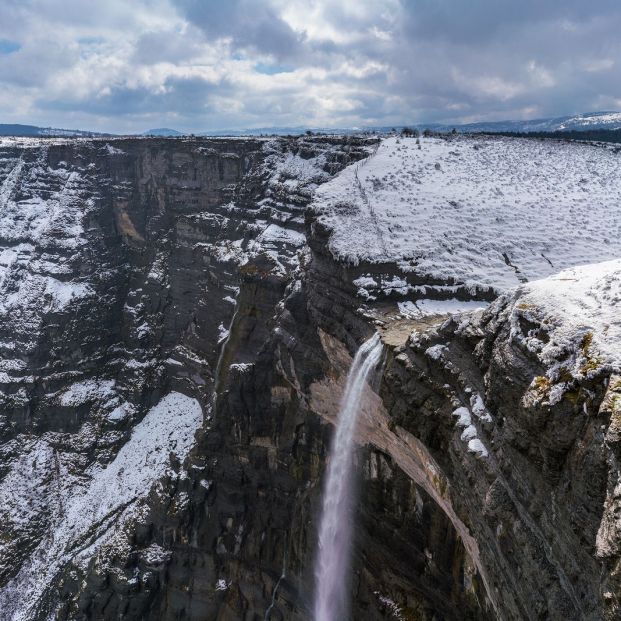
177	321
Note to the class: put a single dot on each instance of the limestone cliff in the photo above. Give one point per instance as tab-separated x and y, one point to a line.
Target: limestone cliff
175	335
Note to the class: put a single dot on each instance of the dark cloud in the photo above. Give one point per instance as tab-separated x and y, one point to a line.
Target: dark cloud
498	57
185	96
165	47
250	25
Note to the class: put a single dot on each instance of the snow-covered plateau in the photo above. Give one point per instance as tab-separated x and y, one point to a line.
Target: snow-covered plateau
483	213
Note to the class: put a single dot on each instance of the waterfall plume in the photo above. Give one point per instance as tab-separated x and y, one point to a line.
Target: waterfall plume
335	531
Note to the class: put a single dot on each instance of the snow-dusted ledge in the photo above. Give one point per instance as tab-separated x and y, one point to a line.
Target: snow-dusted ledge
579	310
91	515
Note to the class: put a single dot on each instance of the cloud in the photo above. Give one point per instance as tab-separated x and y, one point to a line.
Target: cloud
249	25
205	64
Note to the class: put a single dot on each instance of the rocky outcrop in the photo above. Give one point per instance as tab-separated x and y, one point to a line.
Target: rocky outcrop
506	419
145	278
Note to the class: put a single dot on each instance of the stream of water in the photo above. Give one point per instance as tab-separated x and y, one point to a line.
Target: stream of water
335	530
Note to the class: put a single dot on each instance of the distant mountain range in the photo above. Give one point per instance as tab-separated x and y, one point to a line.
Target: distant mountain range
578	122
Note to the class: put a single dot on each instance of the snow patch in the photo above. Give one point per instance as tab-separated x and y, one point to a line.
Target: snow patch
426	308
222	585
87	390
435	352
476	446
578	306
110	150
280	235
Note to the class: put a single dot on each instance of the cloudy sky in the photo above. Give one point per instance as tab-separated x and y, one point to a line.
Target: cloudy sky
130	65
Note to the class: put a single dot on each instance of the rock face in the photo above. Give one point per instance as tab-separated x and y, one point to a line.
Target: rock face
175	337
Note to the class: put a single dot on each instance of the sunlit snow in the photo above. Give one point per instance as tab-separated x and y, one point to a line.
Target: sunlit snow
484	212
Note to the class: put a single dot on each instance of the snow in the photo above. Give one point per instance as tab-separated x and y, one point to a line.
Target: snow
227	250
477	405
38	292
463	417
156	555
63	293
36	217
85	391
221	585
435	352
112	494
121	412
42	213
476	446
241	367
576	306
391	606
223	333
157	271
611	120
426	307
20	504
365	281
277	234
494	212
294	170
110	150
469	432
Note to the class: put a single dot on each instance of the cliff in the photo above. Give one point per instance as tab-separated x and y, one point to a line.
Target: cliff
178	317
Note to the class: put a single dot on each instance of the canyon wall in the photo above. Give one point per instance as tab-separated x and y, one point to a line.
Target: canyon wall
175	336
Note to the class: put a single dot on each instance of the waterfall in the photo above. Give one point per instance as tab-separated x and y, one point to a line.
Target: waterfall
217	384
335	531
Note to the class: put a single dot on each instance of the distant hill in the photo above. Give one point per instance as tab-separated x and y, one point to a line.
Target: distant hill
162	131
14	129
586	122
579	122
19	130
597	135
590	121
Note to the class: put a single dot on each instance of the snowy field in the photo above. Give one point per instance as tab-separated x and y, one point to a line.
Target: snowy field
482	212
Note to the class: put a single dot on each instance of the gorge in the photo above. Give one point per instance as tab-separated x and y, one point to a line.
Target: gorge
178	319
